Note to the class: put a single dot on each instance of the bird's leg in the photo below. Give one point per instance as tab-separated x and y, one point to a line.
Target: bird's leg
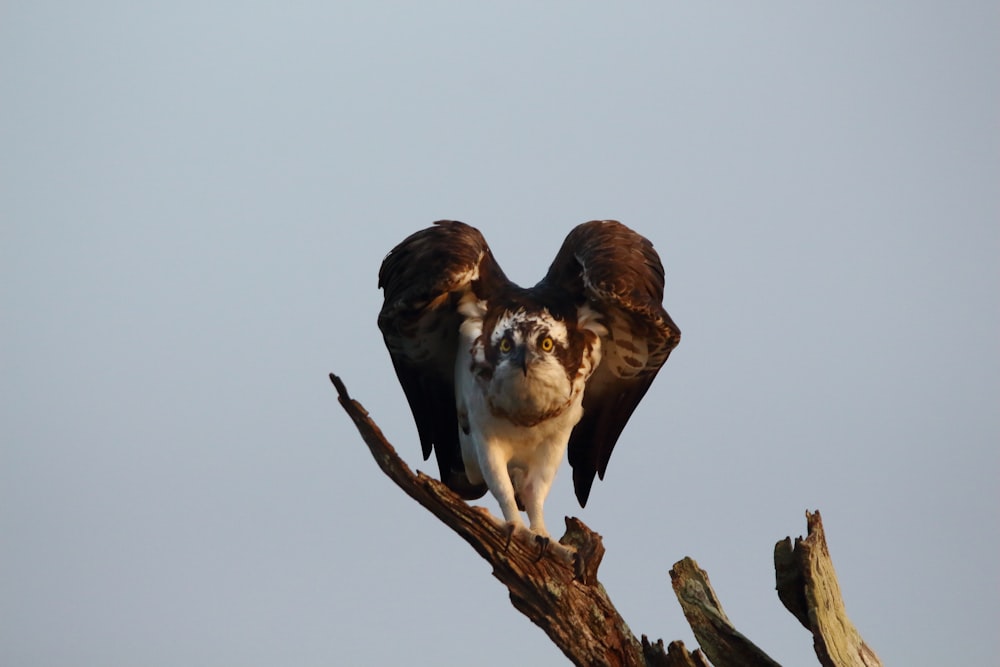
533	492
494	469
534	489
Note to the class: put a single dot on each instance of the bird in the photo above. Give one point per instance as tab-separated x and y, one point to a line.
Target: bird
503	380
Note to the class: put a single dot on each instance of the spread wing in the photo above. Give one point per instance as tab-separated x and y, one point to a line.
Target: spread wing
618	274
422	280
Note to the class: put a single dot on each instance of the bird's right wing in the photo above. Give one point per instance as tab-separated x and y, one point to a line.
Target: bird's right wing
423	279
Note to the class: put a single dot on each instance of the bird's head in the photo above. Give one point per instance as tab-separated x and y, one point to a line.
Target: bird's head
533	360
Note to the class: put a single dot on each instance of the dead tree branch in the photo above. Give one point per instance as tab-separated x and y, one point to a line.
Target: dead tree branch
808	587
716	635
556	586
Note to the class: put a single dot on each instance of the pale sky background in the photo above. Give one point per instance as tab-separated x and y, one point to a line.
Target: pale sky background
194	201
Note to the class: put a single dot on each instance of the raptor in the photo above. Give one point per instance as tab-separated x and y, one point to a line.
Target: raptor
503	380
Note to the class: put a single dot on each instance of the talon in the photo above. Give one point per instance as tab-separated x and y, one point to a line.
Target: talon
509	529
543	546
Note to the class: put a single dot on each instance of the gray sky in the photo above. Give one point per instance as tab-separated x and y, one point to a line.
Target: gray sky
194	201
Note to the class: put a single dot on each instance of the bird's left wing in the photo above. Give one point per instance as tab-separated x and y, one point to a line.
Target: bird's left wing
423	279
618	275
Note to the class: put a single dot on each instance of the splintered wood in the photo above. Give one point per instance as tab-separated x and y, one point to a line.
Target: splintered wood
555	584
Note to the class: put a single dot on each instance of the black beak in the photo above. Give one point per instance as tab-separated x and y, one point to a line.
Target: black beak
520	358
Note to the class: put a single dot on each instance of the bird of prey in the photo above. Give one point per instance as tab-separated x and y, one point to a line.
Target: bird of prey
502	379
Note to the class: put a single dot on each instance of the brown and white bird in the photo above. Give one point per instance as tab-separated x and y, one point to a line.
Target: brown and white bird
501	379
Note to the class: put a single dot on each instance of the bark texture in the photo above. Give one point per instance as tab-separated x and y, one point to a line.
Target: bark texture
716	634
808	587
555	584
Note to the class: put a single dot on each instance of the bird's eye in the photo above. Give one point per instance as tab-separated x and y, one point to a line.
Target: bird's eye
547	344
505	345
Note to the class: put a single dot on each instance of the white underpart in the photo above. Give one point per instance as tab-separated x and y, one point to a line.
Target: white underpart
513	458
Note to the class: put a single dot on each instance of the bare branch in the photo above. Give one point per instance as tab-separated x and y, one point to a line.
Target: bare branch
808	587
676	655
556	586
715	633
553	584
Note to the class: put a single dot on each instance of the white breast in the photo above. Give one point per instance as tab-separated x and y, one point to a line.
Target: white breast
515	427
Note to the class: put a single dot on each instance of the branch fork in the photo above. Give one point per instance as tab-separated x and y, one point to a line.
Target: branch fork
555	584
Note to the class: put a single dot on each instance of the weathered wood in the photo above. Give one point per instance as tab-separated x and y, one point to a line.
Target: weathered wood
553	584
808	587
718	638
676	655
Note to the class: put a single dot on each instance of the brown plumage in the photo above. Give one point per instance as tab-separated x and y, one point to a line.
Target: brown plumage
600	301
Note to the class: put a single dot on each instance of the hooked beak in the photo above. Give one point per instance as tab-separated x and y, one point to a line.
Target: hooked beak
520	358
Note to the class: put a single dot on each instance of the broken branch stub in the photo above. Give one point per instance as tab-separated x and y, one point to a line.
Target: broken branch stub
807	585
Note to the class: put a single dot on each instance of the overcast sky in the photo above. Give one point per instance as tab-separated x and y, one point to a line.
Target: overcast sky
194	201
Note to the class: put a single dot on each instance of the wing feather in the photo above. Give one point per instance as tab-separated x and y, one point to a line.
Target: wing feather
618	275
423	278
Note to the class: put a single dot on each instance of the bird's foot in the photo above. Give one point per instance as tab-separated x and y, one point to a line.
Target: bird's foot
512	527
543	542
526	536
509	528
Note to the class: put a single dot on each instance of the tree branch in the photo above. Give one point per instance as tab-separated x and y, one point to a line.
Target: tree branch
555	583
715	633
808	587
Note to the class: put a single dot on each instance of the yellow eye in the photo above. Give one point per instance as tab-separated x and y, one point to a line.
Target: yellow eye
505	345
547	344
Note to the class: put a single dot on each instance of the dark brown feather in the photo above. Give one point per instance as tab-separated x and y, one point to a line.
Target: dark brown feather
423	279
618	274
603	264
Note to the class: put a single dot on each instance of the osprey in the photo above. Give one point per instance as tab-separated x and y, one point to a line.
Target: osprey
501	379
